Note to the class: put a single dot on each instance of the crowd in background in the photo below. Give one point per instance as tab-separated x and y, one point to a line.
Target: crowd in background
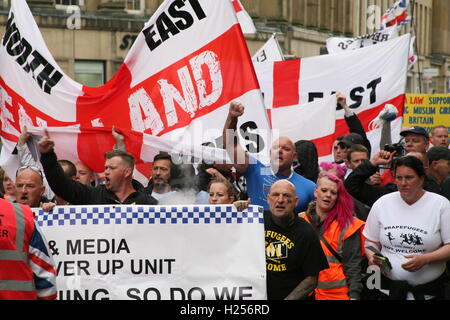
350	209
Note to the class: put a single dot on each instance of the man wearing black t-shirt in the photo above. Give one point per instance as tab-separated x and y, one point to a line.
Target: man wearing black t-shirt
294	256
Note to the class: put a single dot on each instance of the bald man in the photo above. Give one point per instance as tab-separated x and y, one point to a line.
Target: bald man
29	186
294	256
84	174
439	136
260	177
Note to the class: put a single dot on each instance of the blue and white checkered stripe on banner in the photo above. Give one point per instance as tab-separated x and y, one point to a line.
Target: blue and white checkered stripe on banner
121	214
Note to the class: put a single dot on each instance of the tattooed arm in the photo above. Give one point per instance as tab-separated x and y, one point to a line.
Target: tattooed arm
303	289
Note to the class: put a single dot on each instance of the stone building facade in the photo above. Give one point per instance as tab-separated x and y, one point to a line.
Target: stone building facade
90	38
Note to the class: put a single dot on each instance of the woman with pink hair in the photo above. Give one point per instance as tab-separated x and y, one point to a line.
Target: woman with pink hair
340	234
333	168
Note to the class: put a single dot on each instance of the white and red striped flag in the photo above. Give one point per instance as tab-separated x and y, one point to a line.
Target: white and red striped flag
169	86
370	78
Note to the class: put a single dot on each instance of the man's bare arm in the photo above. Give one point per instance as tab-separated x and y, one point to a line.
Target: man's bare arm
303	289
231	138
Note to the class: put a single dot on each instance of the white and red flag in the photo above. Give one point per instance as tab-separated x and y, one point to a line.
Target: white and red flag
270	51
314	121
246	22
370	78
185	67
397	14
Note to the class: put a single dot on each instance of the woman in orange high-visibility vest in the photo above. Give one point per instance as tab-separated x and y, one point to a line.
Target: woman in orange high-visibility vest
340	233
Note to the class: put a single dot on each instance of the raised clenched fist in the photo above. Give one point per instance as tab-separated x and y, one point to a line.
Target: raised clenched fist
236	109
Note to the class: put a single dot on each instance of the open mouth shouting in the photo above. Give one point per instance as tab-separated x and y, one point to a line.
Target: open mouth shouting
107	182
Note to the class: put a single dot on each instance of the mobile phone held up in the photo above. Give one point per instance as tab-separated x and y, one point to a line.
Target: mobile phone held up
383	261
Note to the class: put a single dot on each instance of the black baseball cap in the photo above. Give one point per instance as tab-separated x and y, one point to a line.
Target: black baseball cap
415	130
438	153
351	139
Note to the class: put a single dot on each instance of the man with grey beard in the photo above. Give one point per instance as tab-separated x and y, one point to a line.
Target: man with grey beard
174	184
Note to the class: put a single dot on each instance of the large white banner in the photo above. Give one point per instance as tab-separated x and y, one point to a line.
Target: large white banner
157	252
369	77
339	44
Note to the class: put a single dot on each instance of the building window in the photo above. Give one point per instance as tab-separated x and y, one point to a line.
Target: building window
134	6
90	73
65	4
70	2
409	83
323	50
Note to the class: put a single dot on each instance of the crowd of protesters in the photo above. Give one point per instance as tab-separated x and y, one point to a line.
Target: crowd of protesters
390	209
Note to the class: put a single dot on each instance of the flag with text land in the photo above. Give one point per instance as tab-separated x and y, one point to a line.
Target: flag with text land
168	87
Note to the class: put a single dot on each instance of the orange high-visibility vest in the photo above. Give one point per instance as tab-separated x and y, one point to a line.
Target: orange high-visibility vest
332	283
16	229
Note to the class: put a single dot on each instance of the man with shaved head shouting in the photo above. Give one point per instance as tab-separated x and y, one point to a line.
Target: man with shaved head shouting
29	186
294	256
259	176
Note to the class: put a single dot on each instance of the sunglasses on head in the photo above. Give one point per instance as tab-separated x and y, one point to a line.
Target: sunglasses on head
35	169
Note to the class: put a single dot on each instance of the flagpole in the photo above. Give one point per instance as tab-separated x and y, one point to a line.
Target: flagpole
274	35
413	25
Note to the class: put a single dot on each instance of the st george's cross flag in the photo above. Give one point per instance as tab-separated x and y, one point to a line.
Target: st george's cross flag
369	77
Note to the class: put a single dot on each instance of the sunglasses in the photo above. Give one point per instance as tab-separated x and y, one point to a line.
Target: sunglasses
35	169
